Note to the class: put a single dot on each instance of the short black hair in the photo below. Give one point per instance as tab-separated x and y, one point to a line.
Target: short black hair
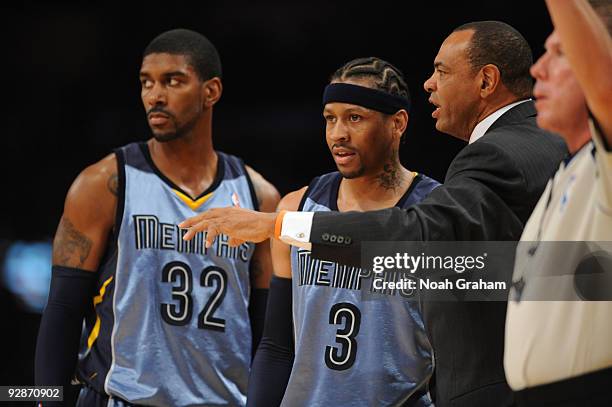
201	53
603	8
385	76
499	44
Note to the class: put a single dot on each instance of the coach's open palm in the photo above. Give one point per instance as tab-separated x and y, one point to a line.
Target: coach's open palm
240	224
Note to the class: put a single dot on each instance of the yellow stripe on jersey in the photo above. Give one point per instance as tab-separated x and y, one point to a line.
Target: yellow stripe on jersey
193	204
97	300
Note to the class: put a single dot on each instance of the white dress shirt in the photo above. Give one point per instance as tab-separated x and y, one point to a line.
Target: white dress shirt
296	226
295	229
482	127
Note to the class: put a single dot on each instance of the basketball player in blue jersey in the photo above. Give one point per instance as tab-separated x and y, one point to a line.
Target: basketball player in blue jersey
167	322
348	351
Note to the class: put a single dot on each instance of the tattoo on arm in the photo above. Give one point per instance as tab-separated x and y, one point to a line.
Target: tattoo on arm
113	184
71	247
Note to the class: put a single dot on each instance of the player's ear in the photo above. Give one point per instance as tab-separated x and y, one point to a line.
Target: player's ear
212	89
399	122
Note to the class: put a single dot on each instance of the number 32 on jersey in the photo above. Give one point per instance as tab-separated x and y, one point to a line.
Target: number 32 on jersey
181	276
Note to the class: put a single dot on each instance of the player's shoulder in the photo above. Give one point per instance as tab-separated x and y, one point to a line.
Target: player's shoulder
426	182
105	166
99	174
317	186
291	201
97	185
267	195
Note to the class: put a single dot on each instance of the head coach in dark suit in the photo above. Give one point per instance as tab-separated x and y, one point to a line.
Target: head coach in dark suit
481	88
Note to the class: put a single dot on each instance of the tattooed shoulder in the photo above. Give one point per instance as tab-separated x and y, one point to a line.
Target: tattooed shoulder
71	247
113	184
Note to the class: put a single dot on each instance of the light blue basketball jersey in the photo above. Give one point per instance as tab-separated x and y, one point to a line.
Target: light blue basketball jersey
349	350
171	324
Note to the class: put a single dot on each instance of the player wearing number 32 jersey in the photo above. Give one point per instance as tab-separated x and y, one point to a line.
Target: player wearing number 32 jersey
167	322
337	348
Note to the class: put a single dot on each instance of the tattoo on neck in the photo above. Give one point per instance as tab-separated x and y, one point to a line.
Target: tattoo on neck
71	247
391	176
113	184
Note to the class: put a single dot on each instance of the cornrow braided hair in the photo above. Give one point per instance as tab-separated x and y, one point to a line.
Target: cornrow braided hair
385	77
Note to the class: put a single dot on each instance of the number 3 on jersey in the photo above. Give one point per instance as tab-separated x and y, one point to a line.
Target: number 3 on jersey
343	357
180	313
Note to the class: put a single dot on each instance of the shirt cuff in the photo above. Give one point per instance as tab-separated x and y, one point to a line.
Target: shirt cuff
296	228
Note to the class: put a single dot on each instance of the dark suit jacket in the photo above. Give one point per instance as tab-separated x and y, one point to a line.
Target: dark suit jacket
490	189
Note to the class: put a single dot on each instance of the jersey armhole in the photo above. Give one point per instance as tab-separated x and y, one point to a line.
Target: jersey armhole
415	182
119	153
251	186
308	188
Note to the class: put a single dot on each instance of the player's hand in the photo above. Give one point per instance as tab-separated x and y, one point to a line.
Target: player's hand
241	225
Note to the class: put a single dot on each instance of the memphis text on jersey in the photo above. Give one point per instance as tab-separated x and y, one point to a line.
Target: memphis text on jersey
150	233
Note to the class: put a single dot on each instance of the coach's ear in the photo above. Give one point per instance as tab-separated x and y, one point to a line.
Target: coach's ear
399	121
490	78
212	89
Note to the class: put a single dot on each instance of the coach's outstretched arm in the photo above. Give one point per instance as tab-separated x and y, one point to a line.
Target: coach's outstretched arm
588	47
79	244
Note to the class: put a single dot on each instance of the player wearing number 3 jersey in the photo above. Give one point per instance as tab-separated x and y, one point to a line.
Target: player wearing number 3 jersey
348	351
168	322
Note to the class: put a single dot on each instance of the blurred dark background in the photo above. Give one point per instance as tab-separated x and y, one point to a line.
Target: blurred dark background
71	77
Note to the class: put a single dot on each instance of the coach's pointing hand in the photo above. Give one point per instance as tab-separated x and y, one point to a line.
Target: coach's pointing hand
238	223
